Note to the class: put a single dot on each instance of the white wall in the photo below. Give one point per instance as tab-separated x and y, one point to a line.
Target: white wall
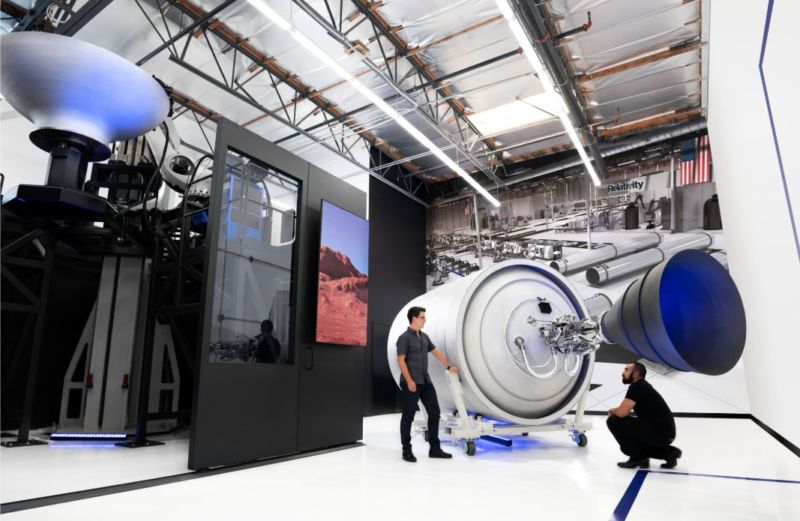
758	229
20	160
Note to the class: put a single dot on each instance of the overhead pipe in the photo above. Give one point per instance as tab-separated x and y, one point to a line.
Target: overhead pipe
605	253
534	20
632	144
611	150
604	273
580	29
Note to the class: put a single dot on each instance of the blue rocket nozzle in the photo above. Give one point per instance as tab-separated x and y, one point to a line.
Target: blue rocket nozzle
685	313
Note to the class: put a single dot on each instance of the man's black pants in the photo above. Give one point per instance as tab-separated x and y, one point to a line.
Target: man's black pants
640	439
427	394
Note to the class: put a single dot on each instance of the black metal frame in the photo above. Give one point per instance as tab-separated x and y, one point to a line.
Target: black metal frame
175	288
339	140
34	310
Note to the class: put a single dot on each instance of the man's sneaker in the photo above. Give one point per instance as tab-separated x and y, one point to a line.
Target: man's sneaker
672	458
643	463
439	453
409	457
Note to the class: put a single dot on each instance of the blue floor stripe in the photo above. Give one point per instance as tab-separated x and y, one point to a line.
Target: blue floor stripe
770	480
625	504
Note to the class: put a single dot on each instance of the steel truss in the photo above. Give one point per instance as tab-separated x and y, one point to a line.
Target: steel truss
417	76
341	133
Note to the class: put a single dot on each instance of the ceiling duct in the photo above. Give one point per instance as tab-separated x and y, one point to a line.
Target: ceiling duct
609	150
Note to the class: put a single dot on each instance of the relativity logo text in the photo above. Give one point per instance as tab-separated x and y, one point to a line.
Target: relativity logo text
626	186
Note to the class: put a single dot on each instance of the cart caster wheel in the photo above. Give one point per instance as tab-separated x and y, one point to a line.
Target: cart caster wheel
427	436
470	448
582	440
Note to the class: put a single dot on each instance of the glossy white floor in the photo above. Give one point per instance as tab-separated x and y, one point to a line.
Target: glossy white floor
541	477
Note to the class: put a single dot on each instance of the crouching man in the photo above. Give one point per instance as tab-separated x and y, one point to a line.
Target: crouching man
649	431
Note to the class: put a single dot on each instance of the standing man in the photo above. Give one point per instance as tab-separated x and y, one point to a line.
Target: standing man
647	433
413	347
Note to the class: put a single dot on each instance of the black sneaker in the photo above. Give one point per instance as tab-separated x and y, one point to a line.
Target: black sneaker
409	457
439	453
643	463
672	458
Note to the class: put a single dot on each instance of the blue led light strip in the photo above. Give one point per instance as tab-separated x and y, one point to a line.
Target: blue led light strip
89	435
772	125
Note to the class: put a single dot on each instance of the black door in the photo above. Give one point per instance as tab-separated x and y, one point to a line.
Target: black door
245	401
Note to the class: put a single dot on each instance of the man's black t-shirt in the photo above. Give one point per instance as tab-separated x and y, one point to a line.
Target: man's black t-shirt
268	350
650	406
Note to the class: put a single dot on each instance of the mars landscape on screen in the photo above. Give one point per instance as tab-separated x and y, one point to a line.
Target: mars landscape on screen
343	278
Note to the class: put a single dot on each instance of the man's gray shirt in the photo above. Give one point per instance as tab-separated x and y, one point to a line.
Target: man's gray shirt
416	349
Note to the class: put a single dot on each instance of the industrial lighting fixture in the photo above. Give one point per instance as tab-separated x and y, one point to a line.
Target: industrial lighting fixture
332	64
547	82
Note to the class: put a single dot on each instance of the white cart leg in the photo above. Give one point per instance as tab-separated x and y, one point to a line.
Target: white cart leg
581	407
457	393
578	435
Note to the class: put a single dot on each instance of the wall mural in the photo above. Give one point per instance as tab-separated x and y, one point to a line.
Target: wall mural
636	222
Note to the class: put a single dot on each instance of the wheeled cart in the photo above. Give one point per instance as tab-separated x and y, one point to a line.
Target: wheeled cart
465	428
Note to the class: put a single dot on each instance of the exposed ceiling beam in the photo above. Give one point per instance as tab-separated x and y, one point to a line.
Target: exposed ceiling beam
414	50
83	16
648	123
15	11
200	109
413	89
229	36
192	104
632	63
432	120
35	18
538	153
420	64
536	19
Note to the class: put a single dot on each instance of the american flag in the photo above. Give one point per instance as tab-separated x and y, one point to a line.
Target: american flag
688	161
703	170
695	161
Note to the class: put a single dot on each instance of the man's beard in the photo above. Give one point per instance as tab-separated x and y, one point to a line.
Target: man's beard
626	380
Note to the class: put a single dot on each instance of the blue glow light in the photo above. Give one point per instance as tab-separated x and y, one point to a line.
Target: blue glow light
81	445
89	435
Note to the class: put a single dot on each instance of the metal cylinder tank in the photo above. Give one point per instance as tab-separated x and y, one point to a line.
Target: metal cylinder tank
483	322
621	267
607	252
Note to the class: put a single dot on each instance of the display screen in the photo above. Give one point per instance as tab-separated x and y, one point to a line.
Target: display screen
343	274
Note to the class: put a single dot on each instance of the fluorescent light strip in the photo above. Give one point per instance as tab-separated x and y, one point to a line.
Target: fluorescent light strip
547	83
332	64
